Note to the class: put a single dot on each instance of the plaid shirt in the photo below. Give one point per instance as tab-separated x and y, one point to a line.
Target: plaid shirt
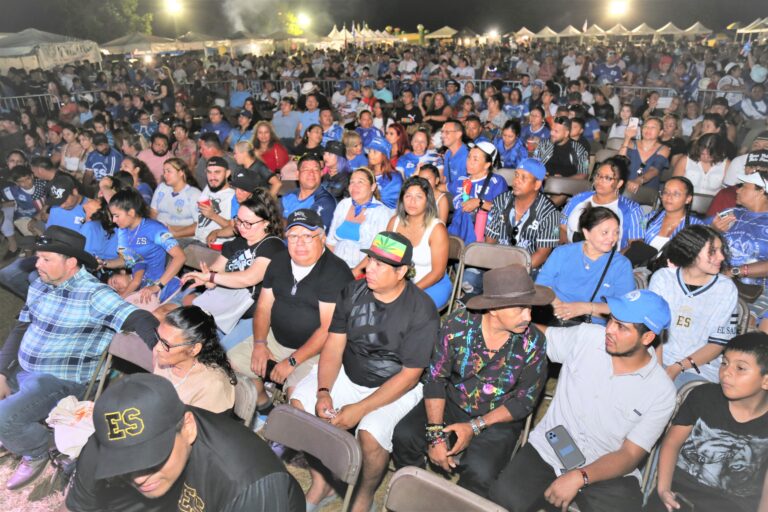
70	326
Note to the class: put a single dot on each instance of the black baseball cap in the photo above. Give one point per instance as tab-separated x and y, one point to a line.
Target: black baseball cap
60	188
135	424
335	147
758	159
217	161
245	180
307	218
391	248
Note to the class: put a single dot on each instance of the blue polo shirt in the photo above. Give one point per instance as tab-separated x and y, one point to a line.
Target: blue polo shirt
321	202
307	119
455	165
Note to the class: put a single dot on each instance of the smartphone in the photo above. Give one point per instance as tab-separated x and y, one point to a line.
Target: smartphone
664	102
634	122
565	448
723	214
685	503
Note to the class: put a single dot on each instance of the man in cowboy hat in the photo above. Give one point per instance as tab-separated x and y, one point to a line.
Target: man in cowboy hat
484	379
67	322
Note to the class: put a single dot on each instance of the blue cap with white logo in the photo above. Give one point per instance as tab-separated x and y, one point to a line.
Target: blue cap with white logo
641	307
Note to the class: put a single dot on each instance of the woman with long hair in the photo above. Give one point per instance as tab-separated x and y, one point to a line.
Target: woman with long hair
647	156
143	179
184	146
619	128
311	142
674	214
417	219
388	179
705	164
510	146
439	111
421	154
398	138
244	260
174	202
432	174
336	171
189	355
268	147
72	154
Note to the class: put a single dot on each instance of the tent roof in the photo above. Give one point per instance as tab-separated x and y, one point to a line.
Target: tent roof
333	33
618	30
594	30
750	26
670	29
546	32
25	42
756	26
466	32
643	30
140	42
569	31
193	37
242	34
697	28
525	32
445	32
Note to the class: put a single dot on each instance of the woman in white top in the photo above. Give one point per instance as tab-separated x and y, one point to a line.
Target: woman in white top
174	202
704	165
72	154
431	173
416	219
357	220
619	128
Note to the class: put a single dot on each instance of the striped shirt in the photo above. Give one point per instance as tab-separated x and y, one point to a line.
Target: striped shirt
654	220
629	212
579	156
70	325
537	228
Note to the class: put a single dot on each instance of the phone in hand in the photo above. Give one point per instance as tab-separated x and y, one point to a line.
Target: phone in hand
565	448
634	123
723	214
685	503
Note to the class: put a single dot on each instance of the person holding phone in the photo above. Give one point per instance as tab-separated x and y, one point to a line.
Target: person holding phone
613	401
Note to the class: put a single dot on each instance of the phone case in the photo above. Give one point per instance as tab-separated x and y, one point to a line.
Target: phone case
565	448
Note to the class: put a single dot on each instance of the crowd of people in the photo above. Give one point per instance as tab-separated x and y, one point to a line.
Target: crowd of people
322	225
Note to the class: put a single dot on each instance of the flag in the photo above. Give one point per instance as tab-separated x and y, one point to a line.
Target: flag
354	31
584	28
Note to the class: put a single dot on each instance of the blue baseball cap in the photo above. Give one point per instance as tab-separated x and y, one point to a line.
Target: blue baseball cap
533	166
641	306
305	217
380	144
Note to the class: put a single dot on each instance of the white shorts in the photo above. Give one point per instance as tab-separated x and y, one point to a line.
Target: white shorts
380	423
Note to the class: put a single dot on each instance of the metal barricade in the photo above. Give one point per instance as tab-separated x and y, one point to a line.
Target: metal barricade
45	103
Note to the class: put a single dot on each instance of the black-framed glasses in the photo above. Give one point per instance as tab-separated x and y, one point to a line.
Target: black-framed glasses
305	238
167	346
240	223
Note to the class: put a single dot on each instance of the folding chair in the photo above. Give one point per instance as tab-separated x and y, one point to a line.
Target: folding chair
643	196
197	254
557	185
488	256
507	174
605	154
413	488
700	203
666	174
337	449
127	346
246	397
649	476
614	143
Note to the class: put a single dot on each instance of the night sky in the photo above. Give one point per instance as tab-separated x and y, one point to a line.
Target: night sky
208	15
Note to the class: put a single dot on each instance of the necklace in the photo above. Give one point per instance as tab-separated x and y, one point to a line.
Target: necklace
585	259
186	375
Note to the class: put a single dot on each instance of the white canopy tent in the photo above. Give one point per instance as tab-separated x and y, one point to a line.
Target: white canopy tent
140	44
752	27
196	41
697	29
670	29
643	30
31	48
525	32
569	31
594	31
546	33
618	30
445	32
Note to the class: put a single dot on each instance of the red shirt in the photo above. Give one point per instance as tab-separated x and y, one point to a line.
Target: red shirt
275	157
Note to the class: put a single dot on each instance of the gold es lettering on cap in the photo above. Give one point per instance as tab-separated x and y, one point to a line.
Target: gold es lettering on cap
121	424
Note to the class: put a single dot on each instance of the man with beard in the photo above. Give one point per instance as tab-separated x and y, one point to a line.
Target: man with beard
214	204
103	161
210	146
613	400
561	155
156	154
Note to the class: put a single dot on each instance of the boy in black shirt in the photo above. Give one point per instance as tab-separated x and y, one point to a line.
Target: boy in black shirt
715	454
380	340
151	452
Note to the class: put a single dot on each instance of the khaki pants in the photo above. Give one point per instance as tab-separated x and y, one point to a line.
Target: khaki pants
240	359
28	226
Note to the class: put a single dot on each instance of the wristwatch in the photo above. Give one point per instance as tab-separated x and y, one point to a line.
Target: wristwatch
292	361
735	271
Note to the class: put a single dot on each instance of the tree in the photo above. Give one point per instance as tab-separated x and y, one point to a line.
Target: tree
103	20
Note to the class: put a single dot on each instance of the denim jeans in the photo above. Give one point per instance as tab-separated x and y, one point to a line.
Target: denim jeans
22	413
18	275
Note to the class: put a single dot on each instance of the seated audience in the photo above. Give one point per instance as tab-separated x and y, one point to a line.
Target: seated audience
648	157
674	215
268	147
336	172
704	165
310	194
432	174
510	146
174	202
388	178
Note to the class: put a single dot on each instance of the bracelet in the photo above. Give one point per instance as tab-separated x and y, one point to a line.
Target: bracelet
475	427
745	270
693	365
323	390
481	423
680	363
585	476
211	276
260	342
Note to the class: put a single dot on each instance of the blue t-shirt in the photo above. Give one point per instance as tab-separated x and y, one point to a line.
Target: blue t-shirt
359	161
221	130
285	126
607	74
455	165
72	219
389	188
145	130
748	241
237	98
104	165
98	242
335	132
321	202
566	273
25	204
518	111
407	163
526	132
512	156
235	136
144	248
368	134
307	119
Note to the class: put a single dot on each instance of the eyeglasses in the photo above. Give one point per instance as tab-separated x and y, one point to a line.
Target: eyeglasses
605	177
305	238
245	224
167	346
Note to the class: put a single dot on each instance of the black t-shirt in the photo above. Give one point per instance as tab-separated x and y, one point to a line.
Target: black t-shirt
229	470
263	172
296	316
676	145
337	185
722	454
413	115
561	162
382	338
240	256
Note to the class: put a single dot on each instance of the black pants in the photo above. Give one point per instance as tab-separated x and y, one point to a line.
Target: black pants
520	488
704	499
480	463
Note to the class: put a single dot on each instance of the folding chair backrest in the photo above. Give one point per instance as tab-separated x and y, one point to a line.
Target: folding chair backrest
644	195
130	347
337	449
413	488
604	154
489	256
700	203
455	248
557	185
507	174
614	143
246	397
197	254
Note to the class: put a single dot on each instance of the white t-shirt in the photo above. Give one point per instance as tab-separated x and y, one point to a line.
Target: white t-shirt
175	209
734	169
706	315
222	204
687	125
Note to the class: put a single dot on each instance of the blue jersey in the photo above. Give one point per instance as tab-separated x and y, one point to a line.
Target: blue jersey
25	203
512	156
98	242
145	130
104	165
144	248
455	165
389	188
321	202
335	132
748	240
368	134
526	132
606	74
359	161
408	163
518	111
